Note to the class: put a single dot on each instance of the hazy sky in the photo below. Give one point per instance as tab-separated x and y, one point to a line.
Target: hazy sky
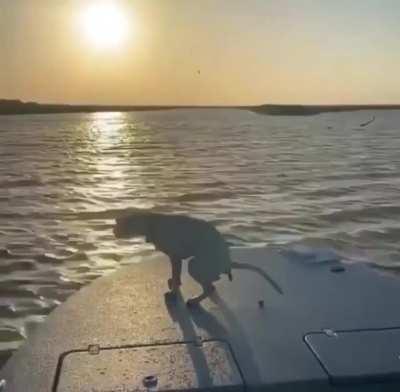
247	51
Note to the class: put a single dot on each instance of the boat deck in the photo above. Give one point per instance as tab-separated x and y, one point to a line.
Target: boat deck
335	328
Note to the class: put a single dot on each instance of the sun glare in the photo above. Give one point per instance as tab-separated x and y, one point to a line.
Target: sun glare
105	24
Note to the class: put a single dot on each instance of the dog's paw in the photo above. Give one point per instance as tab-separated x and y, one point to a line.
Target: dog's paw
171	296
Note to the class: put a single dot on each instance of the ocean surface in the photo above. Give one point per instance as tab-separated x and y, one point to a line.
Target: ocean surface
319	186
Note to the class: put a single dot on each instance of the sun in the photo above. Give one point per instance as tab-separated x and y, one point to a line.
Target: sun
105	24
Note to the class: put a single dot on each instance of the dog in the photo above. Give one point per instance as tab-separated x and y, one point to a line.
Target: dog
182	237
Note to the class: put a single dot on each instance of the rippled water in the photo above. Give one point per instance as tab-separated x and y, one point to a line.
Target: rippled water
321	182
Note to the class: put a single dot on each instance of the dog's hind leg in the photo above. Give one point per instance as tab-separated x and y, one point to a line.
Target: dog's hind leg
207	291
203	273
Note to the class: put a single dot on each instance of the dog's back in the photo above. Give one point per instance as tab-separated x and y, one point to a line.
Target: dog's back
184	235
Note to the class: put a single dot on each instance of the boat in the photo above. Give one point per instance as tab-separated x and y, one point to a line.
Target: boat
335	328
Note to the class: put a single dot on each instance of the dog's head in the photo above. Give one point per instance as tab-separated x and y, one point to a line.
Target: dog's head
131	226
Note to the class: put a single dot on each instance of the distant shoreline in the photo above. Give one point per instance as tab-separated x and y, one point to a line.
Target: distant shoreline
14	107
310	110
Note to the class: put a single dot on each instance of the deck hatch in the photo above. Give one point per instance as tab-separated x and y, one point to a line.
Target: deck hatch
357	357
177	367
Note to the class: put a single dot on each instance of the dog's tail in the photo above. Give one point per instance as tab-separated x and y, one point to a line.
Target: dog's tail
260	271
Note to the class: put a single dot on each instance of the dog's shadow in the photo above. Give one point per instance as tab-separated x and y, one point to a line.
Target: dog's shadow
192	319
179	313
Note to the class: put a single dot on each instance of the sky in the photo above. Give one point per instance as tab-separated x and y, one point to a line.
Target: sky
200	52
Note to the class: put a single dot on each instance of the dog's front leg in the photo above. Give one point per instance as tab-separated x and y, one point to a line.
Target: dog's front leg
175	282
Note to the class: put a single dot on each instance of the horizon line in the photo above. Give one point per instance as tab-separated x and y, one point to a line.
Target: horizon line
17	100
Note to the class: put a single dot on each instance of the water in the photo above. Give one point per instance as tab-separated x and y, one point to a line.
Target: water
318	185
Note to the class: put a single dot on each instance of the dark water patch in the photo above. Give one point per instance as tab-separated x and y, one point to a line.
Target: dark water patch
391	234
60	236
20	183
10	333
81	269
329	192
357	177
357	215
26	310
14	230
19	282
64	179
5	253
83	246
203	196
33	215
8	311
91	277
5	154
51	196
55	293
392	268
49	258
106	237
104	214
23	145
213	184
19	250
220	221
16	258
110	256
249	227
279	220
76	200
70	285
16	292
234	240
392	265
383	235
101	226
381	175
18	246
79	256
19	265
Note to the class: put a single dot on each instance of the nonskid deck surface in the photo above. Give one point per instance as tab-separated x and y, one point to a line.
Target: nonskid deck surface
121	329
